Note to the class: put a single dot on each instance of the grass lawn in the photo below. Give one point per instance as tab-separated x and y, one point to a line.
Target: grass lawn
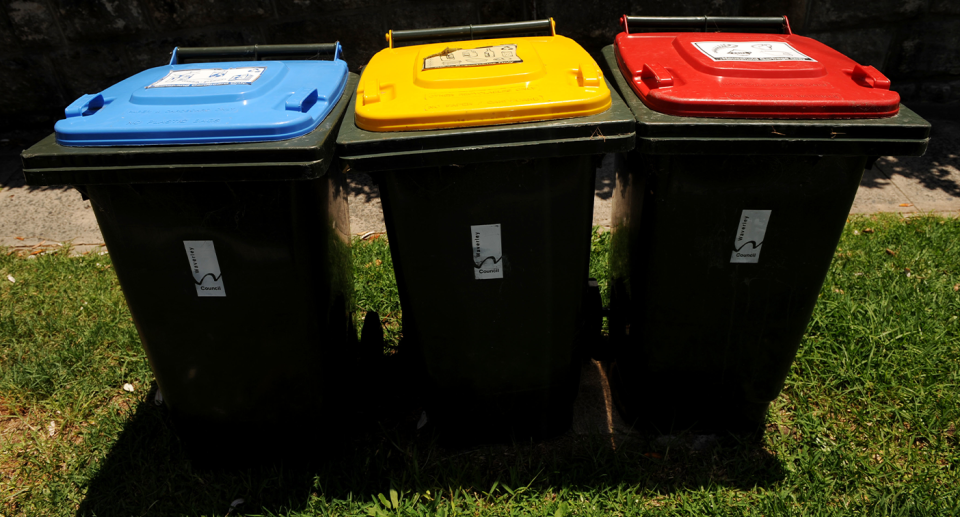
865	425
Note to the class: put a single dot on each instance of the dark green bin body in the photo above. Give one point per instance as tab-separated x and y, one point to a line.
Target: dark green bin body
701	343
497	358
250	376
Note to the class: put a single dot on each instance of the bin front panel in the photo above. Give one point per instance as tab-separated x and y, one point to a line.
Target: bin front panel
268	347
434	86
204	103
498	343
705	324
737	75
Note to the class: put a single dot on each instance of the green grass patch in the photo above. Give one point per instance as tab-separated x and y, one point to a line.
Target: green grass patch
376	287
866	423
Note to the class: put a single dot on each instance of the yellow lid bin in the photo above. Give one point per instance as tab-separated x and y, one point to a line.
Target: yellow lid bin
479	82
488	207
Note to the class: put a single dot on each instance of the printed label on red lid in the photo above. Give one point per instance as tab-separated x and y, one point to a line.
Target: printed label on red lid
457	57
750	51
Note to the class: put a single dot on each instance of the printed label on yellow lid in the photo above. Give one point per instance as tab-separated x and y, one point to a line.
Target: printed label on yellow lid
480	56
479	83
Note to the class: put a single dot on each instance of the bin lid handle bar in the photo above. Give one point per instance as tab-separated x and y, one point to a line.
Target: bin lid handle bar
471	31
258	52
778	24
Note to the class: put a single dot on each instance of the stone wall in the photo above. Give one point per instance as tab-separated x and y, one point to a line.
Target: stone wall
52	51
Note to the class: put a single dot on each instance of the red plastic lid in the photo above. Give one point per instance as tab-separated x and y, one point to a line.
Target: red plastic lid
740	75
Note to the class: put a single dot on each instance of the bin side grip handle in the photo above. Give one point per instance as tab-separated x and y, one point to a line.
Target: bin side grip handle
471	31
656	76
588	76
258	52
371	91
776	24
303	99
870	76
87	104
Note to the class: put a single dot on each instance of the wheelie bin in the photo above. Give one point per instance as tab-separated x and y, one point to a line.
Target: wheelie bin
215	189
751	142
485	152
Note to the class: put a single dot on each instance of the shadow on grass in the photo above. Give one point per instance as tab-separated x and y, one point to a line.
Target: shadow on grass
147	473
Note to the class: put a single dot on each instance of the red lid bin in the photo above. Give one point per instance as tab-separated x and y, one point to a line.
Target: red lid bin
750	75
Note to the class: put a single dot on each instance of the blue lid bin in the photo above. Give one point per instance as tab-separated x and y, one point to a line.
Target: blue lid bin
208	103
229	232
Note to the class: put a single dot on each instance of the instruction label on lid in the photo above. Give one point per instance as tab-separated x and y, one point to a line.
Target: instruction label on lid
457	57
205	268
209	77
750	51
753	226
487	252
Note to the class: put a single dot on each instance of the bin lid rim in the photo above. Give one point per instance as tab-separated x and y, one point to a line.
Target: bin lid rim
202	103
481	82
651	124
750	75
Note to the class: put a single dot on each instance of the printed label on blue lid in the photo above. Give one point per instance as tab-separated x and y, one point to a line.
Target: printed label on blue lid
209	77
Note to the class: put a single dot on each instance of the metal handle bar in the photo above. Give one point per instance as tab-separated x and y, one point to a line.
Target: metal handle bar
258	52
778	24
471	31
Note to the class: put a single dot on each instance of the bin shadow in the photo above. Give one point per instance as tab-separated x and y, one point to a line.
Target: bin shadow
937	170
361	186
606	178
11	167
147	473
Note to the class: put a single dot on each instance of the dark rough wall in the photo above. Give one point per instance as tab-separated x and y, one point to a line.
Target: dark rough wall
53	51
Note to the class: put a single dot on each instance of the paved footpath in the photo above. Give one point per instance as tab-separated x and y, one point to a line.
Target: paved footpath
31	218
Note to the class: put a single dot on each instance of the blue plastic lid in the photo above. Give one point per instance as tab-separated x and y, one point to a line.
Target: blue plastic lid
205	103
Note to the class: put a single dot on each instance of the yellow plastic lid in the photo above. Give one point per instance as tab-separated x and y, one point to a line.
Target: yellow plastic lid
478	82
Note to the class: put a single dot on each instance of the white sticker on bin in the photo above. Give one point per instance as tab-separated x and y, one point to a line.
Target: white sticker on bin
457	57
205	268
753	226
209	77
487	252
750	51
